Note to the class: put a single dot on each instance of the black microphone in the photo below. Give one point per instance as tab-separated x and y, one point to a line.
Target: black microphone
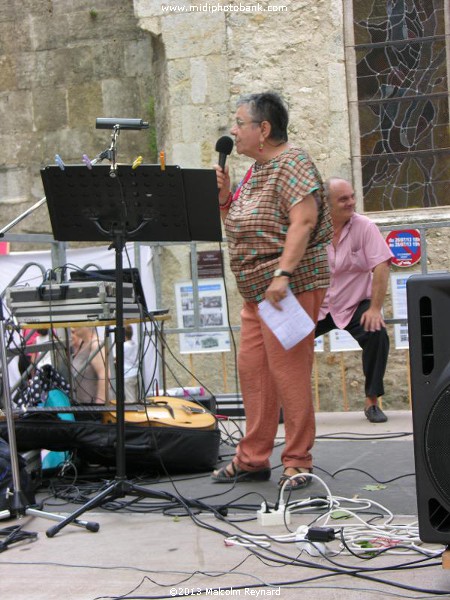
110	123
224	146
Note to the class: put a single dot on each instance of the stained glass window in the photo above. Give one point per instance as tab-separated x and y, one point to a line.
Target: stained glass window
403	103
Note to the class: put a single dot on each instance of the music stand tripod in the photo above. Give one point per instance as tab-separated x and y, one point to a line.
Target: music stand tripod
148	204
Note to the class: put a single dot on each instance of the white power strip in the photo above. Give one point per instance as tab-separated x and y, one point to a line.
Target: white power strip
267	517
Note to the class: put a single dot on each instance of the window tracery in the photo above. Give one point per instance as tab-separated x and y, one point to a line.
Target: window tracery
403	103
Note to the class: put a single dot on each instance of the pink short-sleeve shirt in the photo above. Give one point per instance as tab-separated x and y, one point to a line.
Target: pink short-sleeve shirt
360	249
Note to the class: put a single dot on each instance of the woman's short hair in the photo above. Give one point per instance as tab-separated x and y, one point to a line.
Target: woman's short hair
268	106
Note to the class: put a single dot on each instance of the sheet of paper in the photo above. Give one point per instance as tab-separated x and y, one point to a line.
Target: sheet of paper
291	324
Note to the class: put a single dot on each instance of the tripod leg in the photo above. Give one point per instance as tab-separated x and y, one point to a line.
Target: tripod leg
89	525
110	490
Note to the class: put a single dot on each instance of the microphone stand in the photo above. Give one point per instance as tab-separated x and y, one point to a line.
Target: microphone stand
18	504
17	501
120	486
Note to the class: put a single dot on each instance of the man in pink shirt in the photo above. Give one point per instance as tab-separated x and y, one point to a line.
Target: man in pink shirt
359	260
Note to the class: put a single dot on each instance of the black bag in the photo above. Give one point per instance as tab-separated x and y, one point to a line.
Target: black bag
172	449
6	482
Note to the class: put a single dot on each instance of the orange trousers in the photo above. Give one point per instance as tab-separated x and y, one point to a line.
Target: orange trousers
272	377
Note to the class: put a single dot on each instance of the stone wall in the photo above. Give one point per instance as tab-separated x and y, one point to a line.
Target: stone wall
63	64
211	58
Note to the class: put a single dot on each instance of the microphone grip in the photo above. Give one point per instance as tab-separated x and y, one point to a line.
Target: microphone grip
222	160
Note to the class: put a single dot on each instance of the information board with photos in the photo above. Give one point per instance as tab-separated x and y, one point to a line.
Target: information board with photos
212	312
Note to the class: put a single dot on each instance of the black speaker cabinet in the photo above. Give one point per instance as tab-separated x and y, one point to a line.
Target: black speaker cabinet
428	298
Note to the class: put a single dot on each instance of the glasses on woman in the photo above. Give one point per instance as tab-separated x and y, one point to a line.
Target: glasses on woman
240	123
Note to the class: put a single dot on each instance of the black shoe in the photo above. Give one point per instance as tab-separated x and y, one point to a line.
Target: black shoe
375	414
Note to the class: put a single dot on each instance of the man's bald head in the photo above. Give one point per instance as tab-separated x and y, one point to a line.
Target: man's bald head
341	199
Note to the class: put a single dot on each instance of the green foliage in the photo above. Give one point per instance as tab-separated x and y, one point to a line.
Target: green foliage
367	544
340	514
374	488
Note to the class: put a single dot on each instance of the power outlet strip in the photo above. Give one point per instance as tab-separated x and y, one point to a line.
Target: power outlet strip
267	517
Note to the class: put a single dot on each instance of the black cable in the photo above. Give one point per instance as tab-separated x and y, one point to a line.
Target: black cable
371	476
350	436
283	584
15	534
236	374
350	571
168	348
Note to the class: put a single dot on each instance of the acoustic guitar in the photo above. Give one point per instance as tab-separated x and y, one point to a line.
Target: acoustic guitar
165	411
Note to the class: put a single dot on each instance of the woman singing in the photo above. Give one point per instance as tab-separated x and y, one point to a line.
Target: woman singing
278	226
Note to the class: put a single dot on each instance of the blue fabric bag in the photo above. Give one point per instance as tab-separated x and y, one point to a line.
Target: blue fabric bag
51	459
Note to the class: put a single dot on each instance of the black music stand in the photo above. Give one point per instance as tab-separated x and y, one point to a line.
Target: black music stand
149	203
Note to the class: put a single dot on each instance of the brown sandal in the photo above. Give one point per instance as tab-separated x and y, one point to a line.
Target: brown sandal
223	475
297	481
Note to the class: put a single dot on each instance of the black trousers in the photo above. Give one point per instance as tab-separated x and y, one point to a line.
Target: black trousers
374	344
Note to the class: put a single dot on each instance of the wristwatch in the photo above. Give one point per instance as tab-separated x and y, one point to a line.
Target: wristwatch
281	273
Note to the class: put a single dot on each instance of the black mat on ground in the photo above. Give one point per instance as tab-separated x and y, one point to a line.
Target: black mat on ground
346	467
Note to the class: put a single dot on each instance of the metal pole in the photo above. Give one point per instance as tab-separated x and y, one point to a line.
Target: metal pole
17	498
18	502
22	216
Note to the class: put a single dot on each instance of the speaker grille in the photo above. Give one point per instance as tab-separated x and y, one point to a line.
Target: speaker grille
437	443
426	335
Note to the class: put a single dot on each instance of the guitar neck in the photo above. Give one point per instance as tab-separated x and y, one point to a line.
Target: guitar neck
79	409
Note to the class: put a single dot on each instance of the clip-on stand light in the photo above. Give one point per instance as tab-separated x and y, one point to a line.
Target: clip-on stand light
152	203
